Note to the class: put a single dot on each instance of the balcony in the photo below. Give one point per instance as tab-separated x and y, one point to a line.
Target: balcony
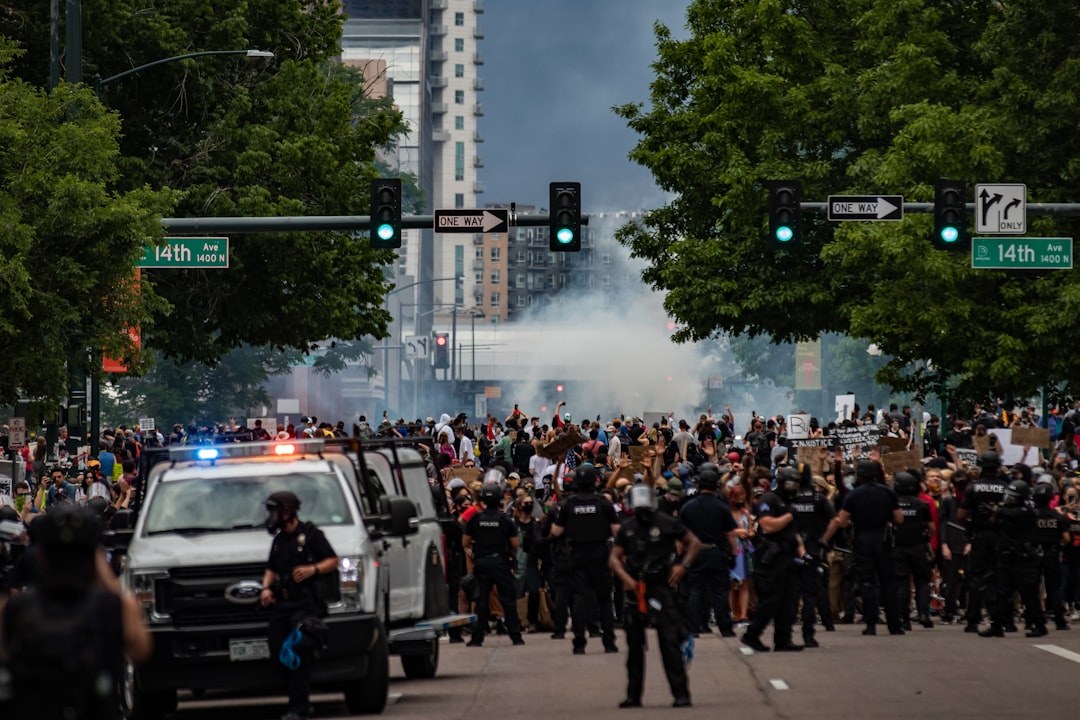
477	161
478	84
478	6
477	59
439	135
477	136
439	82
478	187
478	109
478	239
477	264
438	108
437	5
437	56
477	32
437	30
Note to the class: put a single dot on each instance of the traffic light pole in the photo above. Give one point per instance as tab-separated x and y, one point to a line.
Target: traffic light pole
1058	209
315	223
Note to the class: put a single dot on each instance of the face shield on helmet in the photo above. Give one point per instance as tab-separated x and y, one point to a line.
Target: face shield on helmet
1017	493
641	498
789	481
495	476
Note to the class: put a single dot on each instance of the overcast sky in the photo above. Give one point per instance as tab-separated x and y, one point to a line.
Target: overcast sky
553	69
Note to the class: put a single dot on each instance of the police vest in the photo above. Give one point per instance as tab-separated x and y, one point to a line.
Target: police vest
808	519
490	537
649	552
984	491
585	520
913	530
1049	526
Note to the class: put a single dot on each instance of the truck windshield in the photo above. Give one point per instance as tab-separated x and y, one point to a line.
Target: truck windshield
197	505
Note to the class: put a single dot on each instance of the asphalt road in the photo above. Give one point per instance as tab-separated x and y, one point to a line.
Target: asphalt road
939	672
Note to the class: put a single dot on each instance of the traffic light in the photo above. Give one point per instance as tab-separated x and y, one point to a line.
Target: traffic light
385	225
564	232
950	216
442	351
784	197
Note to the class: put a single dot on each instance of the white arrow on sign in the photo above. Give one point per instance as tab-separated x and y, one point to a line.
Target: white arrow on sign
884	207
490	220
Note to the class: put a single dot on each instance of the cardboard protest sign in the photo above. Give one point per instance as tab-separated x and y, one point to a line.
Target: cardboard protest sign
1033	436
798	426
469	475
639	457
968	456
895	462
864	437
556	450
890	444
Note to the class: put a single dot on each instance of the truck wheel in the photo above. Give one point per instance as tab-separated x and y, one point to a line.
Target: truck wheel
422	667
136	704
368	696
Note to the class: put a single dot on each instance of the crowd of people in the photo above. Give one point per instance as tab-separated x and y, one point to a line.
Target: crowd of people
736	528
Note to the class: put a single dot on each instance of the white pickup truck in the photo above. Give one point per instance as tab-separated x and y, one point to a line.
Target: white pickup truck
197	552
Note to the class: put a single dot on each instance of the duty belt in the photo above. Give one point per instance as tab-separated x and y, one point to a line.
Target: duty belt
708	546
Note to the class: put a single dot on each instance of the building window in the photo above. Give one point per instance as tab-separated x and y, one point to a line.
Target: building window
459	71
523	301
495	299
459	200
495	278
495	237
494	254
605	259
521	257
459	97
459	122
478	277
459	271
459	19
478	253
459	161
459	44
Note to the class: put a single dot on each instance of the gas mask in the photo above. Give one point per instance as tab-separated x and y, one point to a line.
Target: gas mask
276	518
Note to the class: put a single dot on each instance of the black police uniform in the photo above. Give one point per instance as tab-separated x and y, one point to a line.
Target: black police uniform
1017	569
981	497
1049	529
911	559
561	575
871	507
709	518
775	576
587	519
491	533
295	601
650	554
953	534
813	512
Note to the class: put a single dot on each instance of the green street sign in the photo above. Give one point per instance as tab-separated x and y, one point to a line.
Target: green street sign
1021	253
187	252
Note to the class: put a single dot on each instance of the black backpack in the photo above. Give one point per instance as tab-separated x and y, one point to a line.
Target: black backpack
65	658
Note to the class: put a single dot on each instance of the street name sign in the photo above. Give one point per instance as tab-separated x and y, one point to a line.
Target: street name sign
866	207
1001	208
1021	253
187	252
472	220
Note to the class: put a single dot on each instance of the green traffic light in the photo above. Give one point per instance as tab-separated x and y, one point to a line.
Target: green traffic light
949	234
565	236
385	231
784	233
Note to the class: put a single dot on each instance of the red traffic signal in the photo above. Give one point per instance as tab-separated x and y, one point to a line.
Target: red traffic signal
441	359
440	340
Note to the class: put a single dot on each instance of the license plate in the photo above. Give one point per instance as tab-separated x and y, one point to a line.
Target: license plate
240	650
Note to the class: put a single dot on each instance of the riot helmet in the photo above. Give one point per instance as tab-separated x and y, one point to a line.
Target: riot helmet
1042	494
789	481
709	480
867	471
990	461
1017	492
281	507
904	483
490	494
585	478
641	498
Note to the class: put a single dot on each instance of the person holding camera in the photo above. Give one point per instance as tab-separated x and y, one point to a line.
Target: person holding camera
299	555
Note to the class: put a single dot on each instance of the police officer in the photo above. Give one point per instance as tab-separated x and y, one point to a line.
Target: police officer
561	576
870	507
777	563
710	519
588	521
1049	537
1017	568
491	538
813	513
643	558
911	554
299	555
982	496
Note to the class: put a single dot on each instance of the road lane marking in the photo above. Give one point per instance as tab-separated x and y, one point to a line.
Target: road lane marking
779	685
392	698
1060	652
746	651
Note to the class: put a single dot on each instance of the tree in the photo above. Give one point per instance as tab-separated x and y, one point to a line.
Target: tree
294	135
68	237
862	96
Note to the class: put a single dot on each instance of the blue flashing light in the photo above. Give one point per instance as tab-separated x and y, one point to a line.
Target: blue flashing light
207	453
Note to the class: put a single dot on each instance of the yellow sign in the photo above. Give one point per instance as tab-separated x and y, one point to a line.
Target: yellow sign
808	365
493	391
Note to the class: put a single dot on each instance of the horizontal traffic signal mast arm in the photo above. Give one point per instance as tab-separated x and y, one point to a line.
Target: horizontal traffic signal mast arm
315	223
1060	209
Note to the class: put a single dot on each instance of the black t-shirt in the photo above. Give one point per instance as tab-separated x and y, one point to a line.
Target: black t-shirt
307	545
708	517
916	514
491	532
871	506
650	547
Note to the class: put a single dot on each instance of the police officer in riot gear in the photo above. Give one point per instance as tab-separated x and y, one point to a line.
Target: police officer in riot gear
491	538
1018	563
981	497
643	558
813	513
561	579
588	521
1050	534
871	507
299	555
776	565
710	519
911	554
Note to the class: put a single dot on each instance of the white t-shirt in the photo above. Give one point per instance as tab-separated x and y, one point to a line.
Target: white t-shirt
537	465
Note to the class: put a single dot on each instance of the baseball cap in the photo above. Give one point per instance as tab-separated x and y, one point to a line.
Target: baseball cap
514	476
734	457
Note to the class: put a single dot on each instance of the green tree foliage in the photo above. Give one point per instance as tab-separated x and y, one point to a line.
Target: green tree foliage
68	237
293	135
858	97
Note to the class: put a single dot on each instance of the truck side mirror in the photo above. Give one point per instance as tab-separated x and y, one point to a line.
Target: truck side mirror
400	516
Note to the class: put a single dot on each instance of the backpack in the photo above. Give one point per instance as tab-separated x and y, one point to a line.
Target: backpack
62	663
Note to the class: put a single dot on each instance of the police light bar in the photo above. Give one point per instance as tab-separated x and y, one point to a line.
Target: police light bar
209	453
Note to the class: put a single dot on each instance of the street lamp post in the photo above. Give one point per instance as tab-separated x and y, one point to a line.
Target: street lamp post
100	82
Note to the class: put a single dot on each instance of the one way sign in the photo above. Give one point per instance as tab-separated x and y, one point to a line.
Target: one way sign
866	207
472	220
